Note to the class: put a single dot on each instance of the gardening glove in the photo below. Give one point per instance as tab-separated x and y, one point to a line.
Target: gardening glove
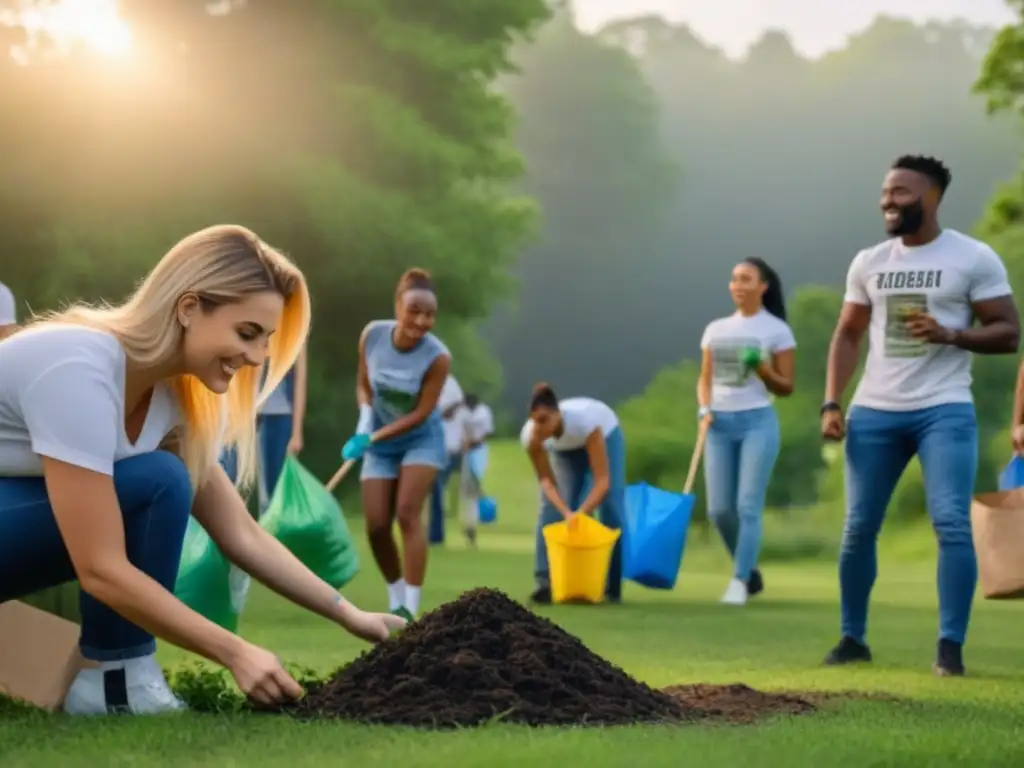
751	357
365	424
355	447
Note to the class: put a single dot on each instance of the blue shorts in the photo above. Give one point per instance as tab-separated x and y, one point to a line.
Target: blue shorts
426	451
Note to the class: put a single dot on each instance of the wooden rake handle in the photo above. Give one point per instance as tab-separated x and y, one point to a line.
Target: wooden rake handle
338	476
698	451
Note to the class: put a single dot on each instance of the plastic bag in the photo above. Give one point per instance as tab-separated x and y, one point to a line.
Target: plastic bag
207	582
304	516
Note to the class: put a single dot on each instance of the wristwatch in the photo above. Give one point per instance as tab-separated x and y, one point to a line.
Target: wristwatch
830	405
703	411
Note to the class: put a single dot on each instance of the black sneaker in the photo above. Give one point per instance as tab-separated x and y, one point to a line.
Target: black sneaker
755	585
541	596
949	660
848	651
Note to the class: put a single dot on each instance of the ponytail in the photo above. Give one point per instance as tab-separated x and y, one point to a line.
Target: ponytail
773	300
543	396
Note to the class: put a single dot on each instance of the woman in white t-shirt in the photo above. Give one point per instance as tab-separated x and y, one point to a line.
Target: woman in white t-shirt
570	443
477	426
111	421
746	358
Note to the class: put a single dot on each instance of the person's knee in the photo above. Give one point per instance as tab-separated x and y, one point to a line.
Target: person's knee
719	515
861	527
408	515
952	529
168	483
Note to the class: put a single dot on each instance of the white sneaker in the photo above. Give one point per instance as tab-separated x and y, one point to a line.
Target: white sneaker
736	593
133	687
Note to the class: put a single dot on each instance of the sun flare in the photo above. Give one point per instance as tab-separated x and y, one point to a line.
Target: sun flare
93	24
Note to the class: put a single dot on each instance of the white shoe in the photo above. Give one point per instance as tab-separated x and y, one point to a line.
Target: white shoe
133	687
736	593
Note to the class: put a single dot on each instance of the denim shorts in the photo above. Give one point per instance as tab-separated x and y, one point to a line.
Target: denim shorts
426	451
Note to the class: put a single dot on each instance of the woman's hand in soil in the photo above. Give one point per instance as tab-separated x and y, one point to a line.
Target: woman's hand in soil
372	627
261	677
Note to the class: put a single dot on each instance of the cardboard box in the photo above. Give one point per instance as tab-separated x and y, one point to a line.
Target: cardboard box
39	655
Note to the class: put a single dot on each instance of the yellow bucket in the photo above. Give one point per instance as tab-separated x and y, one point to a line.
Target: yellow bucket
578	558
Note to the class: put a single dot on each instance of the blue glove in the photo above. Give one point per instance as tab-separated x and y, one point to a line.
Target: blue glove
355	447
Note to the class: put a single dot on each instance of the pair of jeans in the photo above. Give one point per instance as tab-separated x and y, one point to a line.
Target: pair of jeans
155	499
879	445
437	491
273	433
739	457
573	477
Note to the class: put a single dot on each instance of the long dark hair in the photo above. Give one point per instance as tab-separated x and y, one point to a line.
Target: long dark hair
773	300
543	396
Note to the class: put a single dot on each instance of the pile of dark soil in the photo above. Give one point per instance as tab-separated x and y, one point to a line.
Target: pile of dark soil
481	657
485	657
737	703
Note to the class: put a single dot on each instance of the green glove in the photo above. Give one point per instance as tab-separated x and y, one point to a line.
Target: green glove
751	357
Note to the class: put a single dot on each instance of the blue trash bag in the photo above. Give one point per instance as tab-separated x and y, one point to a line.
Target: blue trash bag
655	535
1012	476
487	510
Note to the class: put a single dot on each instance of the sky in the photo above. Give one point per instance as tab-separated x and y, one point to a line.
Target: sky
815	26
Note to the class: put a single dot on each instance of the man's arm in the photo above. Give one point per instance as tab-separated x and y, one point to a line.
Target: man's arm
998	329
844	349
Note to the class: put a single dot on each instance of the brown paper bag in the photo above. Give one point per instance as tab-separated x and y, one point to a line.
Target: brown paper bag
998	523
39	655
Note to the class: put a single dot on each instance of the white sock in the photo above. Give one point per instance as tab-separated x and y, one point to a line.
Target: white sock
412	599
396	594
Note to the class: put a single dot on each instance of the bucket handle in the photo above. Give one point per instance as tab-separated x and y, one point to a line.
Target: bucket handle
698	451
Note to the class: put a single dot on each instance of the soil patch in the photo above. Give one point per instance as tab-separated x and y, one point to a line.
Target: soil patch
485	657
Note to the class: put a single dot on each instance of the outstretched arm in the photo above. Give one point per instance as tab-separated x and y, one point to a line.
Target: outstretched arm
597	454
542	466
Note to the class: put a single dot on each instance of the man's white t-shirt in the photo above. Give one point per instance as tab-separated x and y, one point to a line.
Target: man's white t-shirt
734	387
451	394
580	417
8	309
62	396
944	278
479	422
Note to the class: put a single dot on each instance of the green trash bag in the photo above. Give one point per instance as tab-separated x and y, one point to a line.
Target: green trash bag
304	516
207	582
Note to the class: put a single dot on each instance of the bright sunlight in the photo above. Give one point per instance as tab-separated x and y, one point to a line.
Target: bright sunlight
94	24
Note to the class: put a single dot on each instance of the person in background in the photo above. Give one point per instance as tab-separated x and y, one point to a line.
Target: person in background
453	414
917	296
478	427
279	426
572	443
110	419
402	370
746	358
8	312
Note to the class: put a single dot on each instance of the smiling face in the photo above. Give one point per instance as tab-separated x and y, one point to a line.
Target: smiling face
416	312
220	339
746	286
908	198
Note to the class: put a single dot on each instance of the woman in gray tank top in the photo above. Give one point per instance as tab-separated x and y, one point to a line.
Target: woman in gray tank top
400	436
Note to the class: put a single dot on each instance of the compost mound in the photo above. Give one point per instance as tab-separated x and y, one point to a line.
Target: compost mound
737	703
484	657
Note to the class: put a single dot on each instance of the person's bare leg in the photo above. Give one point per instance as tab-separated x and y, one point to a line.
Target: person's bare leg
377	506
414	483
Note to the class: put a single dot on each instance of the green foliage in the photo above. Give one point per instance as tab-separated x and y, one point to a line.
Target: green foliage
212	690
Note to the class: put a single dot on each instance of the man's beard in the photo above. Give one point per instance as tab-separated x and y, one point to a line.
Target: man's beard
910	219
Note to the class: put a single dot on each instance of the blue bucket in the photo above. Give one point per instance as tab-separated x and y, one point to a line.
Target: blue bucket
487	510
655	535
1012	477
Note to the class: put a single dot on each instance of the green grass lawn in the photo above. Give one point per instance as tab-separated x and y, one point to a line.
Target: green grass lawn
776	642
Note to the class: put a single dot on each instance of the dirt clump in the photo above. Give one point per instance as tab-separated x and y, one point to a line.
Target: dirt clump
484	657
737	703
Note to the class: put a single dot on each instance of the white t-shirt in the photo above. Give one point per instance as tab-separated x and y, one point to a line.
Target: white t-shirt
455	429
735	387
451	394
62	396
8	311
580	417
479	422
944	278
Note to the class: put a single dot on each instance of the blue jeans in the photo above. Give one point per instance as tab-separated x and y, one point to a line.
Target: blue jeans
879	445
273	433
436	528
739	456
155	499
572	474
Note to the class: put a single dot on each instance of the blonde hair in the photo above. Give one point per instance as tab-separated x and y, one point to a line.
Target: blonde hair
220	265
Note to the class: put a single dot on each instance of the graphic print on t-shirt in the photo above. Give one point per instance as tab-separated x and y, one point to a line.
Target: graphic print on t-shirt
727	368
397	402
899	308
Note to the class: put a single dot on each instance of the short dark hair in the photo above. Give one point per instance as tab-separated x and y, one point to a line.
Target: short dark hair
928	166
414	279
471	400
543	397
